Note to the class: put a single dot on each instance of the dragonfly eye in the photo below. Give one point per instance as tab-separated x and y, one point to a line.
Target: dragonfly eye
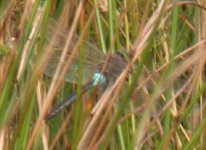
123	55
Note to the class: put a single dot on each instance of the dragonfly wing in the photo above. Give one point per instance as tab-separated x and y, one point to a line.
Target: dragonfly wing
92	56
72	74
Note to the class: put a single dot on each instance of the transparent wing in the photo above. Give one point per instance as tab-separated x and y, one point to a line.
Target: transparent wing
92	56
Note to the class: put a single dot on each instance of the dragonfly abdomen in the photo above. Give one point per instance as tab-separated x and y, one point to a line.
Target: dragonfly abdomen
97	79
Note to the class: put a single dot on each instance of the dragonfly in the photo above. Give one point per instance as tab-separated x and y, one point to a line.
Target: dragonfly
98	70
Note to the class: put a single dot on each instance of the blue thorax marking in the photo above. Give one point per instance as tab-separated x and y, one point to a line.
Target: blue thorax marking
98	79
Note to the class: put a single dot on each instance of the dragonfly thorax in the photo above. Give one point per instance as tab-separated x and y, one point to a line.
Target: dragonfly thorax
112	67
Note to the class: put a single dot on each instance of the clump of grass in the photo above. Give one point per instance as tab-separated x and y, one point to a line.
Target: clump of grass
156	103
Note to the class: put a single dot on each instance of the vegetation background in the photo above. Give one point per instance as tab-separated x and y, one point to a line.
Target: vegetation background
161	105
